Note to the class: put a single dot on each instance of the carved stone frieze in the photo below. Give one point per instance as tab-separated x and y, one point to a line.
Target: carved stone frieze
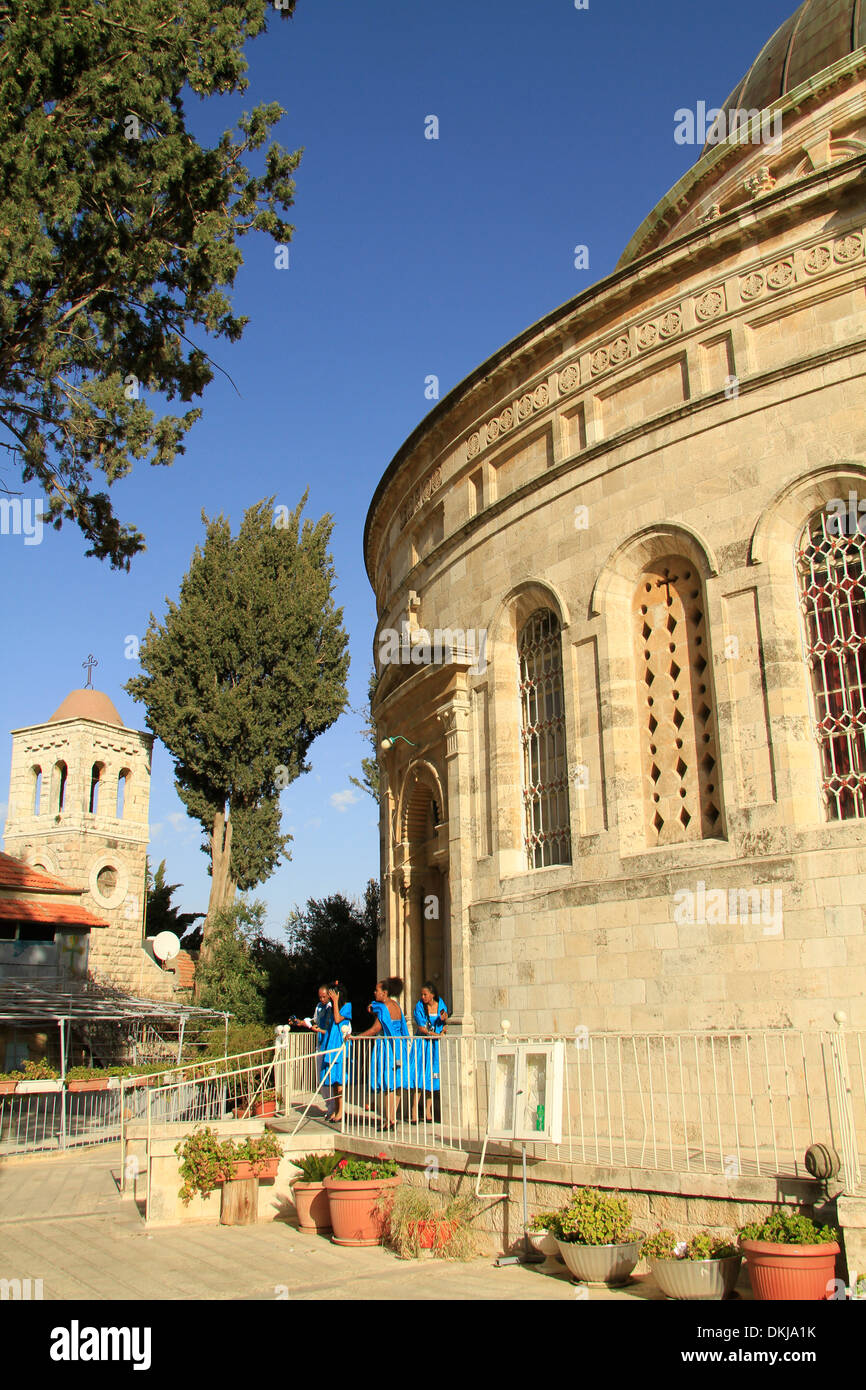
419	495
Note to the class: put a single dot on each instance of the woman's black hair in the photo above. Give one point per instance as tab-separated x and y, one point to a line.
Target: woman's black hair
392	986
335	984
433	988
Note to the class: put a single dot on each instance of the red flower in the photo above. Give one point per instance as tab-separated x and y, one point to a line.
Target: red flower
342	1163
381	1155
374	1173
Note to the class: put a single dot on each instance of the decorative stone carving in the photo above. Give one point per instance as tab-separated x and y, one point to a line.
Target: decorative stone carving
540	396
473	444
568	378
599	361
647	335
762	181
506	419
524	407
492	430
419	495
620	351
709	305
710	214
752	286
780	275
817	259
671	323
849	248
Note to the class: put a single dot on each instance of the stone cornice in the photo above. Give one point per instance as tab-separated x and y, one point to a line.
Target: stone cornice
583	318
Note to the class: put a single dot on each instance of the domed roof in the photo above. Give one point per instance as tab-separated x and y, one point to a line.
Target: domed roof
814	37
87	704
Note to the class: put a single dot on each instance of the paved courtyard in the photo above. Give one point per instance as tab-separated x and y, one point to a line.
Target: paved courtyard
62	1220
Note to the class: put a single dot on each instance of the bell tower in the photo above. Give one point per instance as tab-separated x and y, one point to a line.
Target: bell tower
78	808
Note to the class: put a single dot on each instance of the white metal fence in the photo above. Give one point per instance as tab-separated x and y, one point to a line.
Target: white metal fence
738	1104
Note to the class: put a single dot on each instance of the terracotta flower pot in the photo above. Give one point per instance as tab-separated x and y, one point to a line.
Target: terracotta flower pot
243	1168
355	1216
87	1085
265	1107
7	1088
434	1233
790	1273
601	1264
311	1202
696	1279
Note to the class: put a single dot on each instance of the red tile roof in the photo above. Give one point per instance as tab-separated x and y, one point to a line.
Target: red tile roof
62	914
14	874
184	969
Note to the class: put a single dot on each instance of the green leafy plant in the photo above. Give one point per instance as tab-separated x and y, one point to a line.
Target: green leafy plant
788	1228
543	1221
594	1218
39	1071
265	1097
257	1149
365	1169
316	1167
204	1158
417	1220
91	1073
703	1245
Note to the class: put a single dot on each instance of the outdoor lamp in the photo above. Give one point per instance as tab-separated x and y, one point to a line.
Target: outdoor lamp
388	743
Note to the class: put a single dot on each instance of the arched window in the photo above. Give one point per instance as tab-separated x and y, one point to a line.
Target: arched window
678	741
95	779
61	773
830	568
37	790
122	790
547	827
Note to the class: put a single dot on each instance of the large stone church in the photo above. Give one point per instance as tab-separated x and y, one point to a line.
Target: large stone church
623	718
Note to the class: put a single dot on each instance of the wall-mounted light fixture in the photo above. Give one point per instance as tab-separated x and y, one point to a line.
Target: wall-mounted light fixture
388	743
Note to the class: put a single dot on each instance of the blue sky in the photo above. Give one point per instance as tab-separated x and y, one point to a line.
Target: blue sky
411	257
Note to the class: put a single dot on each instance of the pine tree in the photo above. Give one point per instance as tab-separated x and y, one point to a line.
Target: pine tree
247	669
161	914
119	235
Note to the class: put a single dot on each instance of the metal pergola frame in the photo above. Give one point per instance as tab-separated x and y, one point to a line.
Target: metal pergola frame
23	1002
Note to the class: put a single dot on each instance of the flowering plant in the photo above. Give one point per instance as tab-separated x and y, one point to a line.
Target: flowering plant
365	1169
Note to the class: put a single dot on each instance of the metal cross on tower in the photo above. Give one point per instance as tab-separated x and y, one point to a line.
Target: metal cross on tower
89	663
666	583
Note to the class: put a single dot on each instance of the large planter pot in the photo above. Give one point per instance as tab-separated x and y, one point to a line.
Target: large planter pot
544	1244
76	1086
7	1088
355	1215
791	1273
600	1264
29	1088
696	1279
265	1107
313	1207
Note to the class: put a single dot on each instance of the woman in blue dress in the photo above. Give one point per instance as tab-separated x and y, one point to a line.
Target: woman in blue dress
430	1019
391	1068
333	1023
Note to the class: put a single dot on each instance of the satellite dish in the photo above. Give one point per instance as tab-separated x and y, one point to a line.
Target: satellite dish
166	946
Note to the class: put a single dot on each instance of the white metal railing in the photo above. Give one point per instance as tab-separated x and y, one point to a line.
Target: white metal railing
735	1104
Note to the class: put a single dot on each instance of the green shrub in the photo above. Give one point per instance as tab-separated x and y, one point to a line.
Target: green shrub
316	1167
365	1169
704	1245
257	1148
789	1228
204	1157
594	1218
543	1221
89	1073
39	1071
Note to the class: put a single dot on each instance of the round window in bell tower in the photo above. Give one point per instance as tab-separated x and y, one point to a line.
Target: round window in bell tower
108	882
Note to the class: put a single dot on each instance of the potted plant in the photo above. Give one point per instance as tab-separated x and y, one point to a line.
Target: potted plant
704	1267
39	1076
354	1189
417	1220
256	1157
540	1234
87	1079
789	1257
9	1081
595	1237
204	1160
266	1104
311	1198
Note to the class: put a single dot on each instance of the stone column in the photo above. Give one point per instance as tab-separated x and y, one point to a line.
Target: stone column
455	723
